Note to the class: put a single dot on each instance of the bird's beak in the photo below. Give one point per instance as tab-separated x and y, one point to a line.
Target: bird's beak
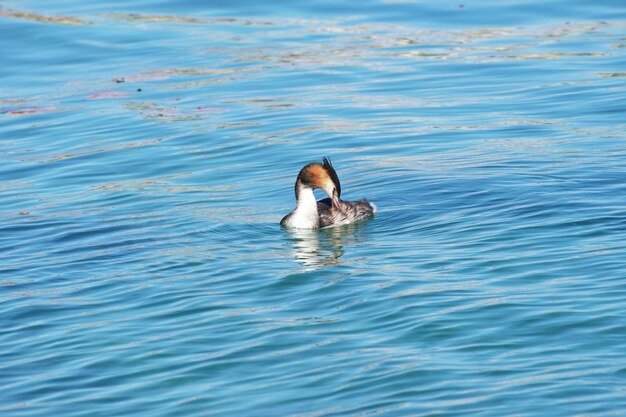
335	199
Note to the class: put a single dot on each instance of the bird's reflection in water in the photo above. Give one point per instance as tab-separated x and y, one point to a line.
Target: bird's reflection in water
315	248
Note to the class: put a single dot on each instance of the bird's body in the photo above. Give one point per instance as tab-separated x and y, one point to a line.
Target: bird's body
311	214
348	212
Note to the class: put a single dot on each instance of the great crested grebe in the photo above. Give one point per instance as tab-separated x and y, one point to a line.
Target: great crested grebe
311	214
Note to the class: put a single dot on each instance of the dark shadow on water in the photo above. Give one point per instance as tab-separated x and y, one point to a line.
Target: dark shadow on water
323	247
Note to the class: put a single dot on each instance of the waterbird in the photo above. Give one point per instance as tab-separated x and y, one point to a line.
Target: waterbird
332	211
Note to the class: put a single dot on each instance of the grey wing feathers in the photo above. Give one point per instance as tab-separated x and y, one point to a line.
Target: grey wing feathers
349	212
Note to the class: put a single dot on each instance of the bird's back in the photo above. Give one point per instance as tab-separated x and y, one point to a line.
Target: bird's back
350	211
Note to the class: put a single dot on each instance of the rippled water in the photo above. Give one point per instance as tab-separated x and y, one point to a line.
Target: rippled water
149	149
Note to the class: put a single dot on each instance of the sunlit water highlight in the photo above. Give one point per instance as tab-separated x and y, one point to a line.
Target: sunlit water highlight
149	150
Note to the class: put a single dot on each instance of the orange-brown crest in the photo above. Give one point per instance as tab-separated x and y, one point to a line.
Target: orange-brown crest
316	175
313	175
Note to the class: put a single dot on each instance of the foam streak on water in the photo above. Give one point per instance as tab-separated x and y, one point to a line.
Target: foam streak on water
148	151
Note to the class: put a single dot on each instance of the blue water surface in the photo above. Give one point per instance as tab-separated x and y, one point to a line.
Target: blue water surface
148	150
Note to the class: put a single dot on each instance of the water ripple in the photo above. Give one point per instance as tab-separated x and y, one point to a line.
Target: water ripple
150	151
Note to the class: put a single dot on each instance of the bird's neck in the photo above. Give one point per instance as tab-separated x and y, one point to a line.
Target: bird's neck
305	215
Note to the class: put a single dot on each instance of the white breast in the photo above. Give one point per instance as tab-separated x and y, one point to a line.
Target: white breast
305	215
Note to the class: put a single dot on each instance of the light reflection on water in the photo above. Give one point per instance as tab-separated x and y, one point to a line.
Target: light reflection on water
318	248
149	151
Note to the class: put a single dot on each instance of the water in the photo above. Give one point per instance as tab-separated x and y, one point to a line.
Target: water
149	149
